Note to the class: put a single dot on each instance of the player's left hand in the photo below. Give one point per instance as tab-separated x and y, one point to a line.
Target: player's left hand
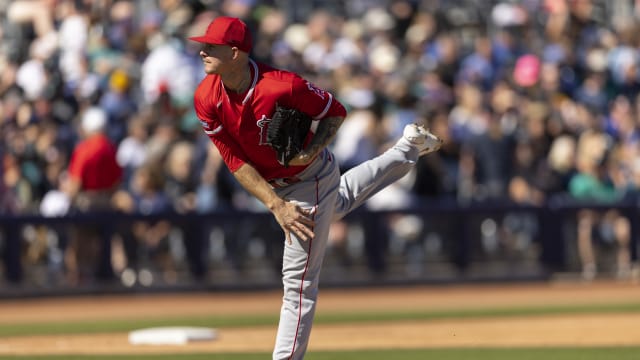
293	218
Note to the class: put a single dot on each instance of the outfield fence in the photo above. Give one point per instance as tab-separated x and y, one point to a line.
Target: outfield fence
441	242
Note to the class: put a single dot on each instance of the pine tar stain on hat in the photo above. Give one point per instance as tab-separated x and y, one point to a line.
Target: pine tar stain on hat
225	30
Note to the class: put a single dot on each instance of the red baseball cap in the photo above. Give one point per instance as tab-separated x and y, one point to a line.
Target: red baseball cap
225	30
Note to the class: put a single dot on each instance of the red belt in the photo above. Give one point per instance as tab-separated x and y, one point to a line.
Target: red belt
282	182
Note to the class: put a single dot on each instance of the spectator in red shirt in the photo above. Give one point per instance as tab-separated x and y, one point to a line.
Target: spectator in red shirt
93	168
93	175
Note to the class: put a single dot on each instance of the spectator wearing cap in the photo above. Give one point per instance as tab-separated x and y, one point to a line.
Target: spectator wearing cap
93	169
119	105
93	175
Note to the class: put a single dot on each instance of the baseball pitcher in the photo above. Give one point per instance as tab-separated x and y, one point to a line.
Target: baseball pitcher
272	128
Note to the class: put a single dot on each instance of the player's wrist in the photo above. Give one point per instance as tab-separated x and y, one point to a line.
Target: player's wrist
274	204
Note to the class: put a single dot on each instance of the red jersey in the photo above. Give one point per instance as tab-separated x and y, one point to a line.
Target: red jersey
93	163
237	123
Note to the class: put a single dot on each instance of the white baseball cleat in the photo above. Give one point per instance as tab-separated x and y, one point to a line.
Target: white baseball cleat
422	138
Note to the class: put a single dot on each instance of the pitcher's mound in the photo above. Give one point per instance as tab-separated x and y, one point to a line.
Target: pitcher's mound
171	335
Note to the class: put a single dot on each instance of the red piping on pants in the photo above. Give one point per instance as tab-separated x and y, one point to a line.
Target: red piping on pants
306	266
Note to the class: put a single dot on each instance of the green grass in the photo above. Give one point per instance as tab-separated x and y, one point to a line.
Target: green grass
591	353
557	353
125	325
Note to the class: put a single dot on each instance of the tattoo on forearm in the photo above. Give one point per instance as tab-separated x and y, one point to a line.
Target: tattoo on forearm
326	131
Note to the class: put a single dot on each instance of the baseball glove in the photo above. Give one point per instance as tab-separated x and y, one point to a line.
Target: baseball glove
286	133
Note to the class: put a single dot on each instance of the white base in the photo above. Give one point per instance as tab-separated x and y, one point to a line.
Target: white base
171	335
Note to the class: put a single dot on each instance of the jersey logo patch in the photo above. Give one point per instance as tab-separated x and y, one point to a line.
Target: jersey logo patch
263	124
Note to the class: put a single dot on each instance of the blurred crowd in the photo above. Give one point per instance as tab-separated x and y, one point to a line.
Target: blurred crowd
533	98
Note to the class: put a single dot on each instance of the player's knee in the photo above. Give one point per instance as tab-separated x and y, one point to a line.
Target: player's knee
307	288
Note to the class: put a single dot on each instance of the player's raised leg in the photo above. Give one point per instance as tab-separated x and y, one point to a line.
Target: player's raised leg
363	181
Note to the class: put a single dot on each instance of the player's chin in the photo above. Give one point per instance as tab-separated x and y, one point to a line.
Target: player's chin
210	68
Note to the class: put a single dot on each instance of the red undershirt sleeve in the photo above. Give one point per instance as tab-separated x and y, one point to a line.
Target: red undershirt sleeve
231	152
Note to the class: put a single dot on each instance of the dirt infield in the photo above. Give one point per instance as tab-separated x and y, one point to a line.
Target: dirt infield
551	330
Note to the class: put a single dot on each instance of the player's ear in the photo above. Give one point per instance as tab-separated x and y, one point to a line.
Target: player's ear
235	52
